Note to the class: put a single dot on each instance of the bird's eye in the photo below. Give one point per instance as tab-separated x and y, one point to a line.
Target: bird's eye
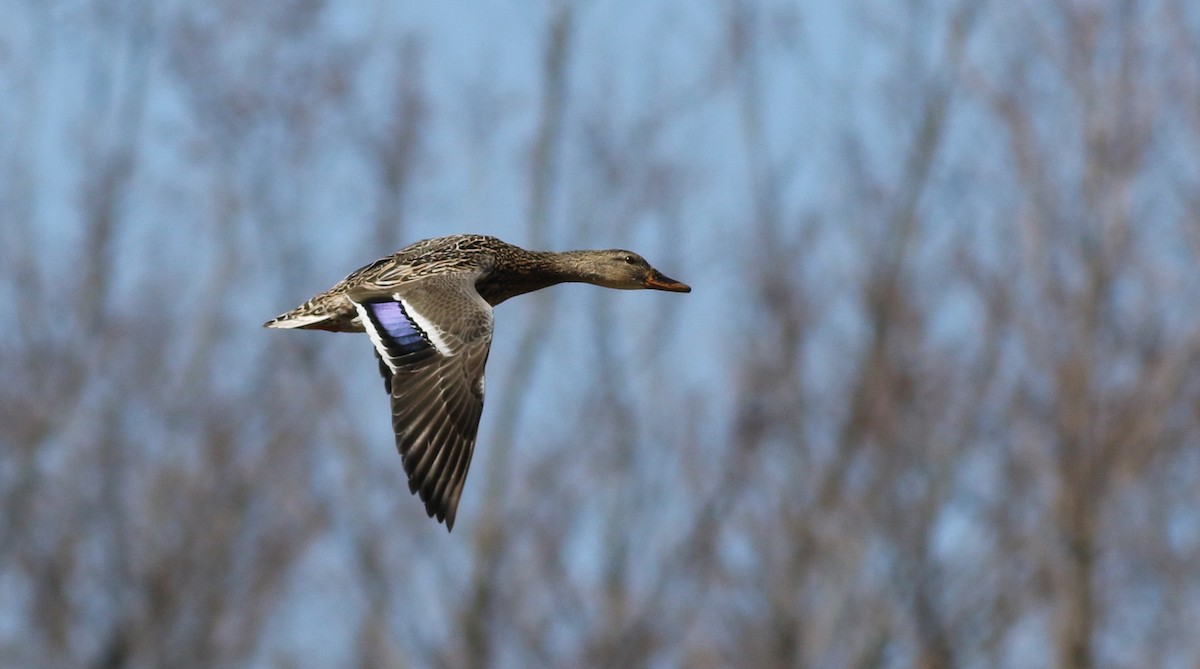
630	259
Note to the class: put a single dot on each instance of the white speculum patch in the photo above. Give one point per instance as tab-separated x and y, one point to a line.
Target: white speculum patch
376	340
435	335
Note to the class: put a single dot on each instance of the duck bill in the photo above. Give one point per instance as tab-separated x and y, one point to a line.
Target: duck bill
656	281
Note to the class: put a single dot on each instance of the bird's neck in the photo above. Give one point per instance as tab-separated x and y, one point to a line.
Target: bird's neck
563	267
533	271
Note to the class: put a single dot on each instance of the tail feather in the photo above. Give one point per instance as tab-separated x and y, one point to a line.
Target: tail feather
292	319
327	311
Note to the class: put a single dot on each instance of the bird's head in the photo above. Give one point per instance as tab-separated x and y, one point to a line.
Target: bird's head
617	268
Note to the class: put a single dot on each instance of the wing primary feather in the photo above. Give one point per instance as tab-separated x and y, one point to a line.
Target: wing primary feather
408	422
447	439
465	429
458	476
445	482
419	432
435	444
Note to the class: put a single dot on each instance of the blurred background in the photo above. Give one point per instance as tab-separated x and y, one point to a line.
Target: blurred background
934	401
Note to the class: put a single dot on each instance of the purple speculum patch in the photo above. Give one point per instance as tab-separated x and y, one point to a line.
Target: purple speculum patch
396	327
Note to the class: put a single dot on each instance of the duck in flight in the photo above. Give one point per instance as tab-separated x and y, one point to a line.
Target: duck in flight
427	310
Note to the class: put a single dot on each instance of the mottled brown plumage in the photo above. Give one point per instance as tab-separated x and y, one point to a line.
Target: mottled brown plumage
428	311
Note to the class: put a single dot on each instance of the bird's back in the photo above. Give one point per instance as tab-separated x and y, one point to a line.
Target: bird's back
333	311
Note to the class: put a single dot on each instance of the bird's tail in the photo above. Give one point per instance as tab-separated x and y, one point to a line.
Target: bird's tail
299	318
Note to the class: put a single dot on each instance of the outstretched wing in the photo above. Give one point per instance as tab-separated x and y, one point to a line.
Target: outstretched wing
432	336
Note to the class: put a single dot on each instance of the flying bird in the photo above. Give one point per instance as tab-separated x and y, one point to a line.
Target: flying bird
427	310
